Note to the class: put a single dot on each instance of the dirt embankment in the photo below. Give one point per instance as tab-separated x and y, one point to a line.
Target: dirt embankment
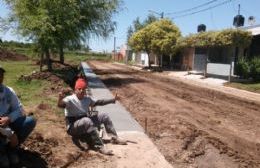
9	55
49	145
192	126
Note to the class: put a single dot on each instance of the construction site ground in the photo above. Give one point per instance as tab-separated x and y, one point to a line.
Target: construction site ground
192	124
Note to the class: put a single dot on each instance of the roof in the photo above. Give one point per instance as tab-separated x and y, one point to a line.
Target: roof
255	29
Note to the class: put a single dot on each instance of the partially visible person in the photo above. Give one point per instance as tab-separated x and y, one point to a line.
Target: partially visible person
80	122
13	122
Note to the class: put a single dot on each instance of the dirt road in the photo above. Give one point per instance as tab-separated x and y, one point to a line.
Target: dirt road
192	126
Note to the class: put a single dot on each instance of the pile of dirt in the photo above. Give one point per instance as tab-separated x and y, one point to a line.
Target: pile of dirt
67	74
40	153
10	55
45	148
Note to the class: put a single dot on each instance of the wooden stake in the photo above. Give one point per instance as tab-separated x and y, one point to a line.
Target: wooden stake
145	125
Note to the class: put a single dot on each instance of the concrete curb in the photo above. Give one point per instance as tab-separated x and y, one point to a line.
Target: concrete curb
142	154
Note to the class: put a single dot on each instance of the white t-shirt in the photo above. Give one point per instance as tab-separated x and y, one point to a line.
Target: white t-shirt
76	107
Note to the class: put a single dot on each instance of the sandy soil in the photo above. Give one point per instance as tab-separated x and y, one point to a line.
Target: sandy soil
50	146
192	126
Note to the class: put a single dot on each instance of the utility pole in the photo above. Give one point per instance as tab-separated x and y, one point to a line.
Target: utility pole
157	13
162	15
114	48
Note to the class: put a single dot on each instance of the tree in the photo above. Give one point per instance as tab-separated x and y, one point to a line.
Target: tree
159	37
58	23
138	25
130	32
141	41
150	19
164	36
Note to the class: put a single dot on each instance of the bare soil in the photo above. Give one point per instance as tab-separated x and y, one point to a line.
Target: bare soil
49	145
10	55
192	126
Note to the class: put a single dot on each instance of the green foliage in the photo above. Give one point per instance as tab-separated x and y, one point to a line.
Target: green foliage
130	32
59	23
249	86
249	68
138	25
75	57
255	68
15	44
243	68
159	37
28	92
141	41
228	37
164	36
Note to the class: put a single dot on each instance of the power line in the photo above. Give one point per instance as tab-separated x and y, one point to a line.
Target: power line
203	10
160	14
193	8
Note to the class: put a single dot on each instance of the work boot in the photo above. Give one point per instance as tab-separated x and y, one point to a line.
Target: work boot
97	143
12	154
95	140
118	141
103	150
4	161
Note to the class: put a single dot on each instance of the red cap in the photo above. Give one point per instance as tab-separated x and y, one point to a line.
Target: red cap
81	84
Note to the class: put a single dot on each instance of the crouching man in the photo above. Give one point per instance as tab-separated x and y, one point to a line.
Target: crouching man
79	121
15	126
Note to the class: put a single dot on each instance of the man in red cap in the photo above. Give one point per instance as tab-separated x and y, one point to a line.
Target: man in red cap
80	122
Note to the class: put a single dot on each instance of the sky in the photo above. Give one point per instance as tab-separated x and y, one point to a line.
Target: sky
186	14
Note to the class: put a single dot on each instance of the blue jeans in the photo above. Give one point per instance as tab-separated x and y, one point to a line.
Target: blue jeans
23	126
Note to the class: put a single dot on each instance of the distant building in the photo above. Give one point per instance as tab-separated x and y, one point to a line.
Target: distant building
254	49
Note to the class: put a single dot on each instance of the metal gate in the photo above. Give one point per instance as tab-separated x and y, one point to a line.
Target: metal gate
199	62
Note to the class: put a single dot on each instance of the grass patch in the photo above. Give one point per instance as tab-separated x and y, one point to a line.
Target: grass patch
29	92
76	58
71	57
249	86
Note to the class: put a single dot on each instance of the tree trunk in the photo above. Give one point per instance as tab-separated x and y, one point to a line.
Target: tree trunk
61	53
41	61
161	61
149	62
48	59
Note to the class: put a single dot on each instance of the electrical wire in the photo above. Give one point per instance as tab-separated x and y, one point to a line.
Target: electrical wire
203	10
193	8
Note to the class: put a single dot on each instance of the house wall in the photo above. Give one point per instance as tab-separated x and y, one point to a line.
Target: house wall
187	59
199	60
219	60
141	58
221	55
255	47
219	69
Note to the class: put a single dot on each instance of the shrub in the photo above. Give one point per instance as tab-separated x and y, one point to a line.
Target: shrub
255	68
243	68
